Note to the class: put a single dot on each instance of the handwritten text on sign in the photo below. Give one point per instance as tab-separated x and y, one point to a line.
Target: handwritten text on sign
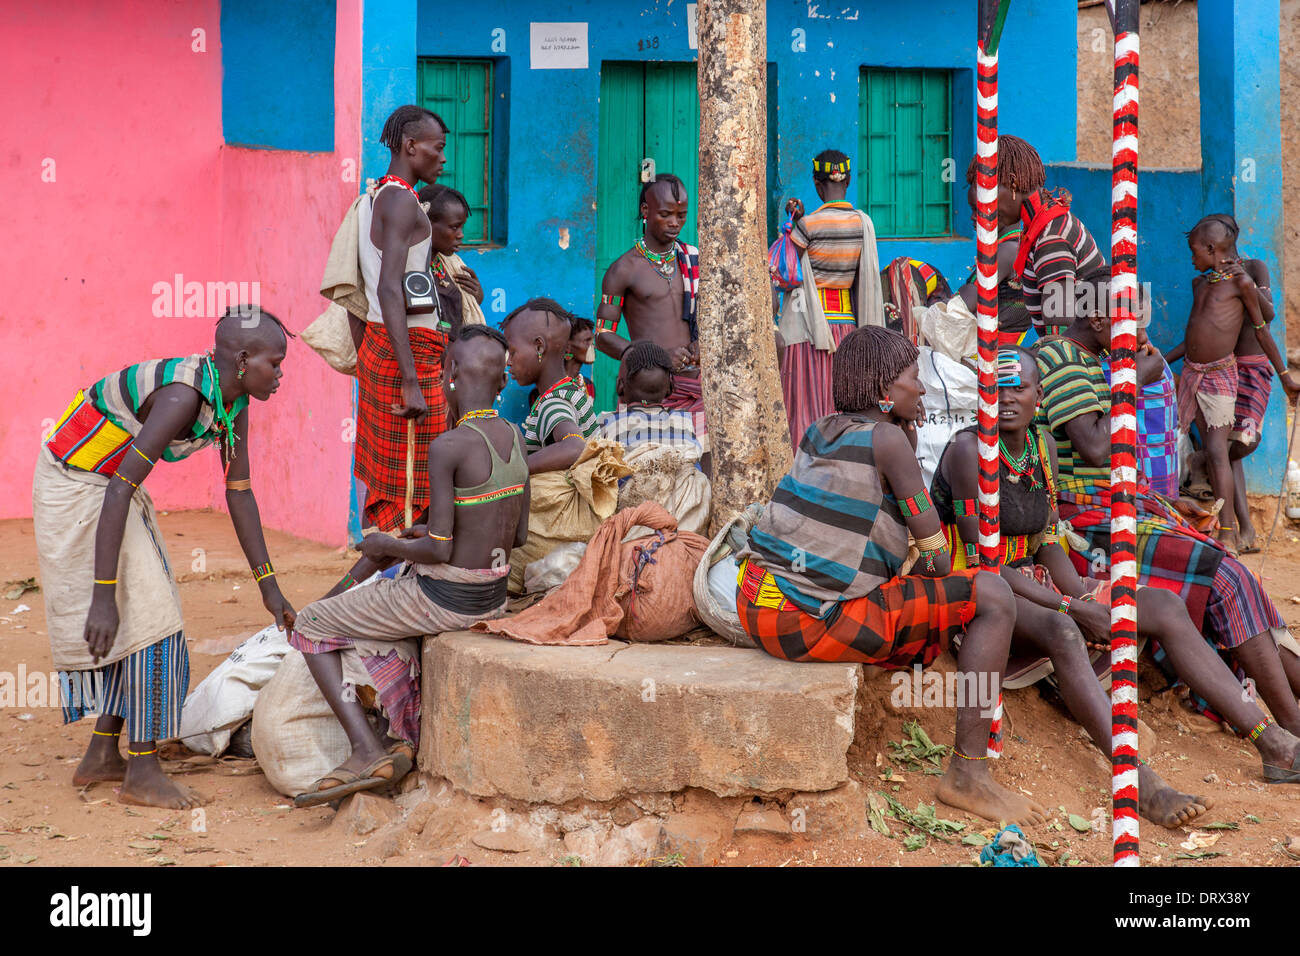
558	46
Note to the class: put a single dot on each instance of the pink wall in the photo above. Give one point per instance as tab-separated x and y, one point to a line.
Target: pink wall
144	188
279	213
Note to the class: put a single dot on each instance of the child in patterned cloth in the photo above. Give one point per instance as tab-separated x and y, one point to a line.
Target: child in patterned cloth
1223	300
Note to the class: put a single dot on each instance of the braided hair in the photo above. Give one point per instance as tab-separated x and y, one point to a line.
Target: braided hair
865	364
644	354
677	189
401	119
581	324
1019	166
825	165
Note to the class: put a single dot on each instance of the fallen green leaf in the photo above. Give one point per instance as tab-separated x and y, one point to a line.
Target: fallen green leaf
914	842
26	859
974	839
17	589
159	836
164	861
4	852
1253	819
1073	861
1220	826
1198	855
1079	823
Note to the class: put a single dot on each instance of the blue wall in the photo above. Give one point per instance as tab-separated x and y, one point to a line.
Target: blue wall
277	91
552	136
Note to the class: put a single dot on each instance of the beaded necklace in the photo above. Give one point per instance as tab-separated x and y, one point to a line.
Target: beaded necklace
390	178
1022	467
663	262
477	413
439	270
1217	276
224	422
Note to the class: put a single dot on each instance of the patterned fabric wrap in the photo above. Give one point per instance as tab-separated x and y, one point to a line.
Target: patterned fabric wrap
81	437
1254	384
806	382
1015	547
783	260
1157	417
566	400
904	621
687	396
688	263
634	425
1199	381
838	305
147	688
830	533
380	458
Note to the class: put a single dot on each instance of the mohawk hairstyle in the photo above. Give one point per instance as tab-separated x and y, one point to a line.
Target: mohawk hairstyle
1019	166
246	312
542	304
399	122
678	188
865	364
1220	219
485	332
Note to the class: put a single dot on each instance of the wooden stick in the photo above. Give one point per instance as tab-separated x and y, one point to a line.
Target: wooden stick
410	468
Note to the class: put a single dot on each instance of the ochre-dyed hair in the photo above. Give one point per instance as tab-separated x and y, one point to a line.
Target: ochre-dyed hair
676	188
1019	166
645	354
865	364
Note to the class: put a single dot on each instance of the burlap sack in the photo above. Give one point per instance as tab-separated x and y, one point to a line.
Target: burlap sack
296	737
667	474
655	585
330	337
570	505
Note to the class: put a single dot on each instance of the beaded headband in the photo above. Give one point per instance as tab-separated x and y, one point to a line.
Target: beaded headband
836	171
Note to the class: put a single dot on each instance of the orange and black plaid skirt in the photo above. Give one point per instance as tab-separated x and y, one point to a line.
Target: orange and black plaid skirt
905	621
381	435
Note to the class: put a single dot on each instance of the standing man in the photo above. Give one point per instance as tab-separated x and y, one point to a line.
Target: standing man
654	284
399	356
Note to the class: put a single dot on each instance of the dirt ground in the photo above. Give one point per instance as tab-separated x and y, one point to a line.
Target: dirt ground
45	820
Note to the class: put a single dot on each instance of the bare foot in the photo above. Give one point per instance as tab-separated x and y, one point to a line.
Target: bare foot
146	785
978	793
1162	804
102	762
1228	538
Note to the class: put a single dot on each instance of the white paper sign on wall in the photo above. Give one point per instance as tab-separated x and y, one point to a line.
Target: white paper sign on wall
557	46
692	36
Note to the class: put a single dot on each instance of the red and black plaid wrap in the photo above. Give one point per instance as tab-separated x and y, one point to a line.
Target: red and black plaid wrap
380	460
905	621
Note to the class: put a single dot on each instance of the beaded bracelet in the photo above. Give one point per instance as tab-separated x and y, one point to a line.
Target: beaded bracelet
958	753
97	581
965	508
972	555
143	455
118	474
611	300
607	325
1260	728
263	571
1066	601
438	537
918	504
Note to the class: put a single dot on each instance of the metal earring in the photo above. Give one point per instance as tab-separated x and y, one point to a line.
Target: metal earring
885	405
241	374
451	386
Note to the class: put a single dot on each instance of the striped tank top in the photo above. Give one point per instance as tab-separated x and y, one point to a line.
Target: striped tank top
100	424
830	533
566	399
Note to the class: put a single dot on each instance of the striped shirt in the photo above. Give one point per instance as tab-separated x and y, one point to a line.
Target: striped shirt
832	234
1064	250
565	400
1157	431
635	425
1073	385
830	533
118	397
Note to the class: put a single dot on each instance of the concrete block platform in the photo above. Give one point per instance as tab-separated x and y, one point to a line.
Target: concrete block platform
557	724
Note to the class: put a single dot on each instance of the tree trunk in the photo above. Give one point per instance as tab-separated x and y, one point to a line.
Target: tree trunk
739	375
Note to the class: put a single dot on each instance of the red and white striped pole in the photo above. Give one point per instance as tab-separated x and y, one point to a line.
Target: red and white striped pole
1123	436
992	14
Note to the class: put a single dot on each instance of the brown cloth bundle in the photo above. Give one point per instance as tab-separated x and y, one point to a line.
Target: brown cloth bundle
639	590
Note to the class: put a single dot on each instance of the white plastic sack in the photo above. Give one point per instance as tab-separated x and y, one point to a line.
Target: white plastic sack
951	404
950	329
715	586
225	698
554	569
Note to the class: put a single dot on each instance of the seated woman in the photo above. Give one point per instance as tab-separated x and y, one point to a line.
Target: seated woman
457	560
564	416
820	577
1055	608
1223	599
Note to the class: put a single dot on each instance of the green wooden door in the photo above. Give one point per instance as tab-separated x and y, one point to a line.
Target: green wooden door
460	91
647	110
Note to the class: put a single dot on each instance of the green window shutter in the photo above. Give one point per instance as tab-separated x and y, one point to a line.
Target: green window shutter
905	125
460	91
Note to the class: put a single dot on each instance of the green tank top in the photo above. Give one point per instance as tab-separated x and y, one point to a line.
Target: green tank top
507	478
